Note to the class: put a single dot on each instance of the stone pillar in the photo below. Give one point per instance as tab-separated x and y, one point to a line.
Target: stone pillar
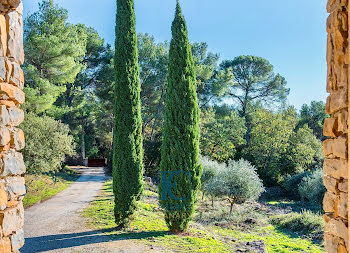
12	169
336	165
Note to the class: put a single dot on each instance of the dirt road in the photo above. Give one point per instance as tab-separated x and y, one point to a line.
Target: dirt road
56	225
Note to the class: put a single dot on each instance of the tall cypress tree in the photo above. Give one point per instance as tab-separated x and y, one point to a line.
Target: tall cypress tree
128	152
180	170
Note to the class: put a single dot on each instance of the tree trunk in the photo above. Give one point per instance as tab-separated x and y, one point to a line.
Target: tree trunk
246	118
231	208
232	202
212	201
83	154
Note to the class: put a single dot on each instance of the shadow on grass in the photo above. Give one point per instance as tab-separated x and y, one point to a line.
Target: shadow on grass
315	238
63	241
298	206
102	199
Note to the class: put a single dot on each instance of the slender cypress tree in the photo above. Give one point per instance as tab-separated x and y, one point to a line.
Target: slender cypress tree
127	151
180	170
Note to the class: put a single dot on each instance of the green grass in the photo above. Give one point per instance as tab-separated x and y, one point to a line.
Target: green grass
297	206
276	240
42	187
211	231
305	223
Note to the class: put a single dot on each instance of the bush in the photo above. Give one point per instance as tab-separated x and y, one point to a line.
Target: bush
272	194
47	143
311	187
305	223
210	169
238	181
291	183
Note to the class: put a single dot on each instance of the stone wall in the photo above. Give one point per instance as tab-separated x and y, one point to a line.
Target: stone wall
336	164
12	169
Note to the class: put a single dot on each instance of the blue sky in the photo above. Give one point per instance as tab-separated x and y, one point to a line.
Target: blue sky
291	34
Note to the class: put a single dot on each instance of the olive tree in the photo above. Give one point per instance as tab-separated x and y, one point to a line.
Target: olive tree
210	169
48	142
311	187
237	182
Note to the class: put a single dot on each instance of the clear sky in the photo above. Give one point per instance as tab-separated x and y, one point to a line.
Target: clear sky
291	34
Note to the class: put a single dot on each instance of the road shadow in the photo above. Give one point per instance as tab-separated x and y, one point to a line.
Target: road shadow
91	178
62	241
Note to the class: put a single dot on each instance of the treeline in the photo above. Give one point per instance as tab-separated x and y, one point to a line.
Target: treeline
70	77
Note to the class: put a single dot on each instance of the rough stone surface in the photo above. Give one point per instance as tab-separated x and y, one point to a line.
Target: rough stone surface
15	188
343	185
16	116
14	3
15	36
4	136
17	139
343	205
12	164
329	127
330	202
5	245
12	186
3	197
331	184
338	229
336	125
335	102
11	220
7	103
336	164
336	147
333	243
17	76
17	240
12	92
3	71
3	36
4	115
338	168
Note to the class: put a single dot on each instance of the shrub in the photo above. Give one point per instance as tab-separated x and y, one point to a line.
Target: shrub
47	143
210	169
238	182
311	187
306	223
291	183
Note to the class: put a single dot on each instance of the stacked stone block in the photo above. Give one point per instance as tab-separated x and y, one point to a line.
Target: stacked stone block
12	169
336	165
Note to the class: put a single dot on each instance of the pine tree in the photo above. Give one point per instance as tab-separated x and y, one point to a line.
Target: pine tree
54	52
128	151
180	170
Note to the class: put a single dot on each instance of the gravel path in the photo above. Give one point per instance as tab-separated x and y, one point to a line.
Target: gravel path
55	225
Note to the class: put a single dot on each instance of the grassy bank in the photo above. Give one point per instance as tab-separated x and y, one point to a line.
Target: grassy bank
212	230
42	187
